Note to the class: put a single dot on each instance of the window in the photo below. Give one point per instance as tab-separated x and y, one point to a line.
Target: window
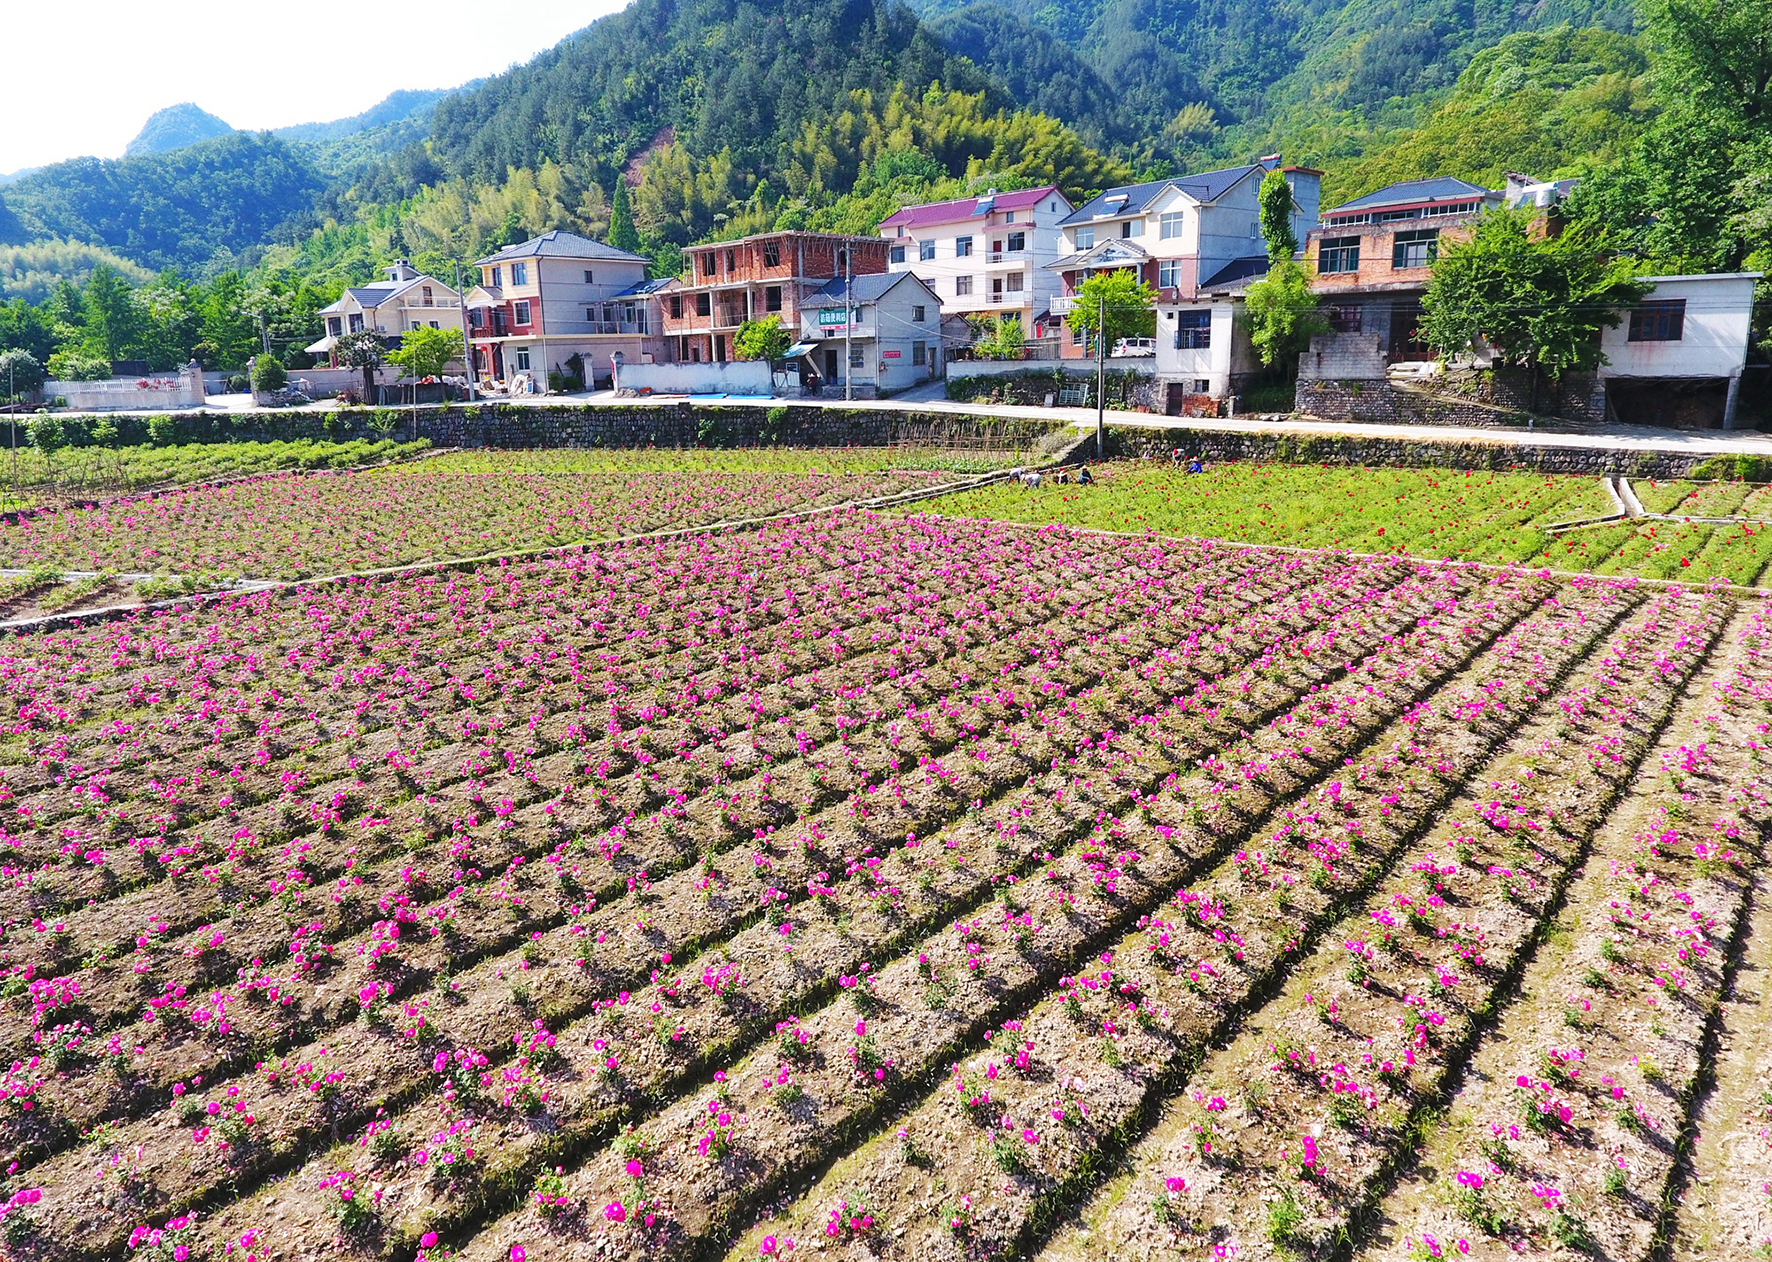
522	316
901	230
590	277
962	247
523	359
772	298
1168	273
1338	254
1202	385
519	273
895	254
356	323
1076	335
919	354
426	300
638	318
1018	241
772	254
855	356
590	315
1418	248
731	261
1013	284
704	304
497	277
1009	216
1132	228
1169	225
707	265
435	325
334	327
1344	319
925	251
1254	229
917	315
1193	330
1658	321
676	306
1085	238
1394	216
962	286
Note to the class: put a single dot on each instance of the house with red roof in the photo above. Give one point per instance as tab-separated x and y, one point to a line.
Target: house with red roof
985	255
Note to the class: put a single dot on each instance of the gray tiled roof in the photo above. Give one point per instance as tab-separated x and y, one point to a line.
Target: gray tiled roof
1405	192
1206	186
561	244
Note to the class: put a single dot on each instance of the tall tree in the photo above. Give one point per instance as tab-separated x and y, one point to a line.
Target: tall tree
1274	201
1283	315
113	320
622	233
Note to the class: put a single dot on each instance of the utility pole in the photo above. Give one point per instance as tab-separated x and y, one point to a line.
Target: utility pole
12	415
1100	375
848	329
467	352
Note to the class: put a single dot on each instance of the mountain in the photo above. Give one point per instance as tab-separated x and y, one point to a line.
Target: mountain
397	107
175	127
175	209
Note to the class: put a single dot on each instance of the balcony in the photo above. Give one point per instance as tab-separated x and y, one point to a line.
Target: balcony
1006	256
1063	304
728	317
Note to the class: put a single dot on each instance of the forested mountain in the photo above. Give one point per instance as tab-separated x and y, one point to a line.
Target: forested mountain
167	209
175	127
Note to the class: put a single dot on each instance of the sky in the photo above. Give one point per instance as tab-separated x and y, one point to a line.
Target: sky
105	65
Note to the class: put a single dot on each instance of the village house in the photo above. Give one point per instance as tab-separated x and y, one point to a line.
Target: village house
1677	358
1185	236
989	255
728	283
406	300
559	298
878	334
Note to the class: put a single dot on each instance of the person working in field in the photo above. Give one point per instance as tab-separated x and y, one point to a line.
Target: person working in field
1084	477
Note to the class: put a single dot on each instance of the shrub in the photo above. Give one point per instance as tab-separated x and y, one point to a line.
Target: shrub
268	375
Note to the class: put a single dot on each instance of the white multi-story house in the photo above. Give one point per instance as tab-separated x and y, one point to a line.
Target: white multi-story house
1185	236
545	300
988	255
406	300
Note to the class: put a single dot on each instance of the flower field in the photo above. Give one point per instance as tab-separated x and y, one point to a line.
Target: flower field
458	505
1494	517
910	887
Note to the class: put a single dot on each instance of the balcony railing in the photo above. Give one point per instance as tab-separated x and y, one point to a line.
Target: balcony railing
1063	304
1006	256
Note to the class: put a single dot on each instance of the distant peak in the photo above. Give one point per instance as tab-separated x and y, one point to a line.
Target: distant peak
175	127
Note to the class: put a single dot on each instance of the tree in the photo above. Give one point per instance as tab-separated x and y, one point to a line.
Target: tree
1275	202
1002	338
366	350
1126	302
1538	302
20	371
622	233
268	375
762	339
1282	314
113	320
426	352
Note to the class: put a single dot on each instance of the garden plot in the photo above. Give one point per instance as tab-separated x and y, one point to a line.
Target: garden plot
850	884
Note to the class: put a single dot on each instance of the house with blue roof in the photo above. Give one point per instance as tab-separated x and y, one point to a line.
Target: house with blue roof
877	334
1187	235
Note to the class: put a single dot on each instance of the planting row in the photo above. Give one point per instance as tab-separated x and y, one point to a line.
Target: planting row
1013	1149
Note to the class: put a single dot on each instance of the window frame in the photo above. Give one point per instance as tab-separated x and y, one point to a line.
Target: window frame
1661	320
522	314
1403	248
519	273
895	254
1344	252
963	247
1170	268
926	250
1193	330
1171	219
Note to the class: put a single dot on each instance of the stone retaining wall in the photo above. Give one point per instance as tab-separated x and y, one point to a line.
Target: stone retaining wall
1335	449
1482	400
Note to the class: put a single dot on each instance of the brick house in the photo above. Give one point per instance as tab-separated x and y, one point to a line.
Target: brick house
730	282
545	300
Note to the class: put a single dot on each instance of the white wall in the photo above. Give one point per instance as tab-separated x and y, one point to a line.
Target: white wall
1713	342
165	391
564	295
732	377
1045	243
1227	355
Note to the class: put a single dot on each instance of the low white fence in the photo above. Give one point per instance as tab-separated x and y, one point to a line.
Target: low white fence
157	393
1143	365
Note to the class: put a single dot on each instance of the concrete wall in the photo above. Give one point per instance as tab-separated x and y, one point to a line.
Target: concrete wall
1718	321
732	377
121	394
1344	357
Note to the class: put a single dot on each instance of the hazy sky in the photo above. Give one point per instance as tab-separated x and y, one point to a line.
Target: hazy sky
83	75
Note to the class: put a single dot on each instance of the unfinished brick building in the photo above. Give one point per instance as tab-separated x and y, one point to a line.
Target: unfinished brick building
730	282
